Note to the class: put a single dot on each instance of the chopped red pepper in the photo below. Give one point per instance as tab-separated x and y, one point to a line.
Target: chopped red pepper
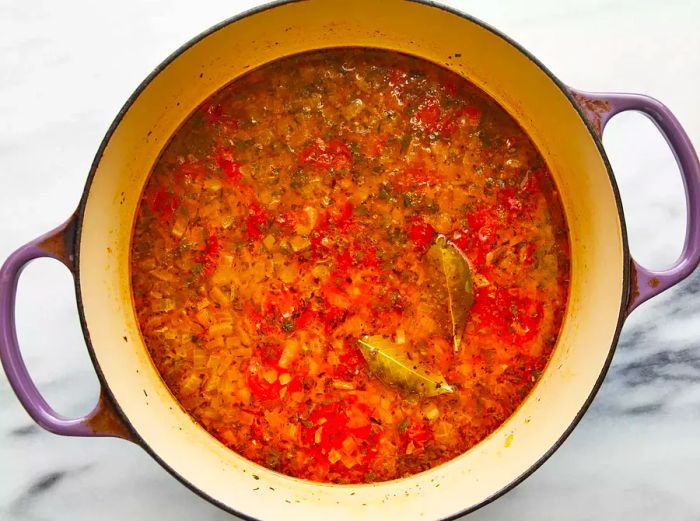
421	233
230	168
466	115
190	171
418	433
342	216
375	145
305	318
428	115
325	156
527	253
514	318
257	221
259	387
164	204
210	256
397	77
350	363
415	177
332	317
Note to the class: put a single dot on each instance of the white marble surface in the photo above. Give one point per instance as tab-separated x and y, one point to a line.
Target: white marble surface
67	67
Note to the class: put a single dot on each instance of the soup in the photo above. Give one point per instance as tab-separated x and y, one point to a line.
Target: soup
350	265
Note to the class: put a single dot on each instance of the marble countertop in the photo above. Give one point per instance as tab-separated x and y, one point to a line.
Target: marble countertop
67	67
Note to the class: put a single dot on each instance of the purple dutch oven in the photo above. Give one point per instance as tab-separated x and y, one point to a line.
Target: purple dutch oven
566	124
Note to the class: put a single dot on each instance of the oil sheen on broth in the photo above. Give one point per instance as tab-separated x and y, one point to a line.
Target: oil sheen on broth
350	265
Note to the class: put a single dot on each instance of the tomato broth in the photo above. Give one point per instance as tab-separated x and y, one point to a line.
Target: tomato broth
350	265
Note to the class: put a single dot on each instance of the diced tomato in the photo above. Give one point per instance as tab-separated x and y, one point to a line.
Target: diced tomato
329	428
414	177
286	220
421	233
318	234
230	168
270	354
295	385
213	113
256	318
256	431
369	257
343	261
479	239
480	217
325	156
528	319
464	116
511	202
332	317
418	433
164	204
351	361
340	154
527	253
305	318
513	318
259	387
310	155
397	77
190	171
473	115
462	239
428	115
374	145
263	390
281	303
210	256
257	221
341	216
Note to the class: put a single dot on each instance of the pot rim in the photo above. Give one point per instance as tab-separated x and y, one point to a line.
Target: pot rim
79	215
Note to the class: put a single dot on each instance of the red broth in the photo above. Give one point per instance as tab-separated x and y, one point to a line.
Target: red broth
350	265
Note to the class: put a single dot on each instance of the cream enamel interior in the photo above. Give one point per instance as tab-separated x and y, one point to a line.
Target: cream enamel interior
427	31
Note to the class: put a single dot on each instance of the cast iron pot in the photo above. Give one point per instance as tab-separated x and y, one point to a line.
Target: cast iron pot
566	125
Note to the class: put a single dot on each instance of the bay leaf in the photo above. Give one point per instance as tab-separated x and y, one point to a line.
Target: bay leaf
458	284
392	366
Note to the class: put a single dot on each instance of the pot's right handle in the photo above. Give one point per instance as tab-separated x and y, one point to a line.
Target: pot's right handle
599	108
103	420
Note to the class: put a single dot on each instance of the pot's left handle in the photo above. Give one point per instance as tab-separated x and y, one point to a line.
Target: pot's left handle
102	420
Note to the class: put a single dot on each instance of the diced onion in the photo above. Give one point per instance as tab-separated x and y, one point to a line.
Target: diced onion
269	242
289	353
299	243
270	375
180	226
431	411
221	329
334	456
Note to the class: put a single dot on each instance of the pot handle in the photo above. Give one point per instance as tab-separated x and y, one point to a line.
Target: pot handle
599	108
103	419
